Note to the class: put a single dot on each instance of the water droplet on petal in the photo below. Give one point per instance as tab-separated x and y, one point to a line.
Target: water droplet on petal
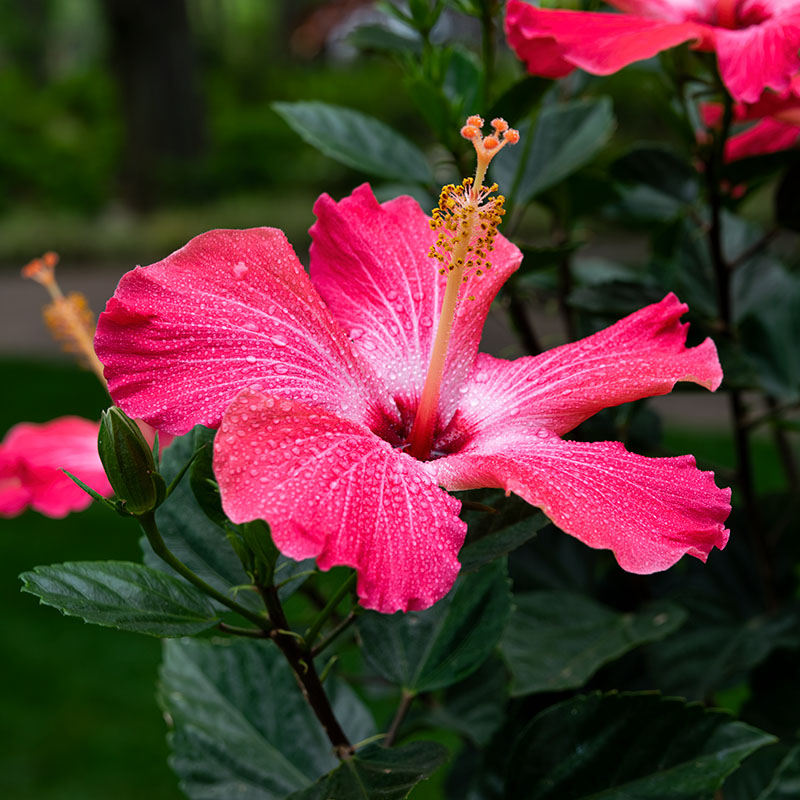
239	270
279	340
426	322
250	359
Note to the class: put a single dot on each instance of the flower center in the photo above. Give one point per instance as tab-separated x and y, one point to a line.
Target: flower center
467	219
736	14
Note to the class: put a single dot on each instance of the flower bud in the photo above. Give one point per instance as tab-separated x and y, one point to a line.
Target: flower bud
129	464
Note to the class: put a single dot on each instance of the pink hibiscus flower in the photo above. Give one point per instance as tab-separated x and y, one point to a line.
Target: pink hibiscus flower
776	128
343	406
756	41
32	458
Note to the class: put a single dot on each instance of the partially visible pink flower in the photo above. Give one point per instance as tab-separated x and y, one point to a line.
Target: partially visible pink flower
32	457
777	123
756	41
315	386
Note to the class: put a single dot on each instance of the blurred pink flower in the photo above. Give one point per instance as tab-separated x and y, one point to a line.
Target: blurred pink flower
777	123
756	41
32	457
315	385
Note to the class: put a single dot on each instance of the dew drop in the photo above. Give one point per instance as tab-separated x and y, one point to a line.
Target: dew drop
250	359
426	322
279	340
281	369
239	270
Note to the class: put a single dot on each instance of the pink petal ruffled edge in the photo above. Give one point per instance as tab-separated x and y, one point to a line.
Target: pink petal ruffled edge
331	489
649	511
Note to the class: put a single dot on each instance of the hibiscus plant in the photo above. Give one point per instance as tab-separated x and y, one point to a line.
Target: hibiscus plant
377	555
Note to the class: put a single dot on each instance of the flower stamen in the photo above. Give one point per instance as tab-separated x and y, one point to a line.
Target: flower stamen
69	318
467	218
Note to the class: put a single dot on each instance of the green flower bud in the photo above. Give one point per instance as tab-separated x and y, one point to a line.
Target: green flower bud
129	464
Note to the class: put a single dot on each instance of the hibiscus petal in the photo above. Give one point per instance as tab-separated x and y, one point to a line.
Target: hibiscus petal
181	338
331	489
648	511
370	263
759	56
32	457
767	136
553	42
642	355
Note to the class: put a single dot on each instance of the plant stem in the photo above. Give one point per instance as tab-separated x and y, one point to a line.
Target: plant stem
488	49
722	275
330	607
299	658
405	704
334	634
148	523
252	633
784	447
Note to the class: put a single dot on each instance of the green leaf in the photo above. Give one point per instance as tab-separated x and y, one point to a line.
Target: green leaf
771	774
768	311
242	726
707	657
620	747
558	640
492	535
425	650
202	544
201	477
123	595
519	99
357	140
474	708
564	138
378	773
382	39
661	170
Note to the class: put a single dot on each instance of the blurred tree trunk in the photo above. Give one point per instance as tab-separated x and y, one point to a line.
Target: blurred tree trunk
27	39
152	55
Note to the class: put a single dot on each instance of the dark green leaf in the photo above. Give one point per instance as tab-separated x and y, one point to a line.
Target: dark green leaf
242	726
564	138
707	657
661	170
377	773
462	84
771	774
380	38
123	595
473	708
425	650
492	535
768	310
558	640
537	258
357	140
520	99
201	477
619	747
